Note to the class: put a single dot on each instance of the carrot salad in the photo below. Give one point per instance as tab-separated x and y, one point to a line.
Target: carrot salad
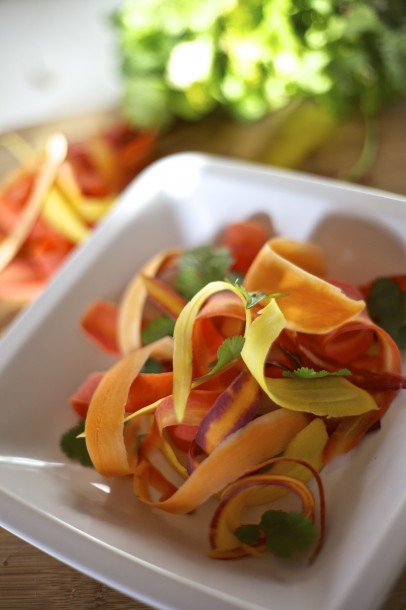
248	370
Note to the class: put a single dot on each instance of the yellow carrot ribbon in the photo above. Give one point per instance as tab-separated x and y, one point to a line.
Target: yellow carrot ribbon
183	333
332	396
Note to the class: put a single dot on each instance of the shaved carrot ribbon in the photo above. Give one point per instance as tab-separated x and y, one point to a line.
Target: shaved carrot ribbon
292	268
183	344
262	438
105	417
134	299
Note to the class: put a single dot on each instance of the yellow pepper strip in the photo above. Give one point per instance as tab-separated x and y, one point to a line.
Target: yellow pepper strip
262	438
105	418
331	396
183	333
132	304
55	152
311	304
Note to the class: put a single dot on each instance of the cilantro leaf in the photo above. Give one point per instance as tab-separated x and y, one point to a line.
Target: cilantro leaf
305	372
152	366
75	448
228	351
157	328
249	533
287	532
200	266
255	297
251	298
386	304
284	532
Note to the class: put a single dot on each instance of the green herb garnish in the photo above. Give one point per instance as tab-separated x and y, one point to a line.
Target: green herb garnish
304	372
157	328
284	532
251	298
386	304
228	351
200	266
75	448
152	366
256	296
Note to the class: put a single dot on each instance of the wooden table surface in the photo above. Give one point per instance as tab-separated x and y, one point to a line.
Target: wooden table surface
31	579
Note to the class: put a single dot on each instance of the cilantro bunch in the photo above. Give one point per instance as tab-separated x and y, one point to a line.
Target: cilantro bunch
187	59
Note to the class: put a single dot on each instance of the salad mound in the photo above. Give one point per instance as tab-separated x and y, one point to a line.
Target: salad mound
247	369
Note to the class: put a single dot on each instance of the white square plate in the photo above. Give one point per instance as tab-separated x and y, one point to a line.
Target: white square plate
96	524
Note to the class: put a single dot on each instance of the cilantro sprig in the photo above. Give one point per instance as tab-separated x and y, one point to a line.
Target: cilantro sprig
251	298
386	303
305	372
255	297
284	532
159	327
75	448
200	266
228	351
152	366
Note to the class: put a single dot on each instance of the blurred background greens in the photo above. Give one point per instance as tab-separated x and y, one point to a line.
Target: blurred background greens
188	58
